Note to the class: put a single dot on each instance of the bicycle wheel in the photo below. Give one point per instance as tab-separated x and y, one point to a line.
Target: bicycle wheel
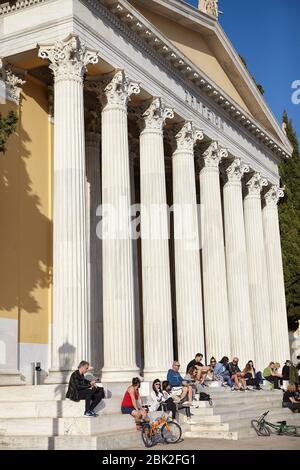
260	429
146	435
171	432
291	431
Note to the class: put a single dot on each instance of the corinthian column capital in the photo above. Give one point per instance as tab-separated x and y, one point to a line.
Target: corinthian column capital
214	154
68	58
117	90
156	114
234	172
13	80
186	137
256	184
273	195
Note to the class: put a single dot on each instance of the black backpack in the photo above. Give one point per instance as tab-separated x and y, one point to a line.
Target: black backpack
204	396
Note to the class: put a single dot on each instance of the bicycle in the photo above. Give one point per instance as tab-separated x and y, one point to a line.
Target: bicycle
264	428
163	428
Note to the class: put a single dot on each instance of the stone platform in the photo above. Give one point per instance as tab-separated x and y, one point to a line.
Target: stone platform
39	417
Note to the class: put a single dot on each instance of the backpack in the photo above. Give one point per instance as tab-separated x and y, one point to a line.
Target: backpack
204	396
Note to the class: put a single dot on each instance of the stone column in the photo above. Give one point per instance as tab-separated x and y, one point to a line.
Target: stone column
132	159
118	290
213	255
279	326
94	246
241	332
257	271
157	311
71	315
189	314
11	83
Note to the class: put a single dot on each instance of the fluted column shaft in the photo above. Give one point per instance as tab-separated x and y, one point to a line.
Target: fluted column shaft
257	270
189	313
71	315
118	294
213	256
94	245
236	264
279	326
157	312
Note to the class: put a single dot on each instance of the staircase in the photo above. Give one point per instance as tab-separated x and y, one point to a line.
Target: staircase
39	417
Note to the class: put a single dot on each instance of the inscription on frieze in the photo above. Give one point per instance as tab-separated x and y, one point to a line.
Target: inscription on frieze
206	112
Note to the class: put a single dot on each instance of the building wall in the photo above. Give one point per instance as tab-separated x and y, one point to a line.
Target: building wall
25	233
194	46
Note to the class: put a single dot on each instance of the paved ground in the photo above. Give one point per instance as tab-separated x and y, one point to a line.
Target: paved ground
256	443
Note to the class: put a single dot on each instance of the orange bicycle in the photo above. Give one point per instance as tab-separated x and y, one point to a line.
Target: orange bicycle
163	428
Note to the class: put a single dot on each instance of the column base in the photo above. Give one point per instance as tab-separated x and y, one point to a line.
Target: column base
11	377
117	375
58	376
150	375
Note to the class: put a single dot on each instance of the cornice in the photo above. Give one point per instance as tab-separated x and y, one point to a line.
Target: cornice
178	61
9	7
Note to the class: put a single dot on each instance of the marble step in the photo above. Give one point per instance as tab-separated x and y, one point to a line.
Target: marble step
54	408
109	441
33	392
228	435
206	427
236	408
65	426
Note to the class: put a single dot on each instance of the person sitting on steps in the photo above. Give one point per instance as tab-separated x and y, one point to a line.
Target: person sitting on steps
180	388
81	389
290	401
222	374
271	376
171	406
201	369
131	403
236	375
252	378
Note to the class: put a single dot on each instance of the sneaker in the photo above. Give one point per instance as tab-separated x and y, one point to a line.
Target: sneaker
190	421
88	414
233	389
94	414
186	403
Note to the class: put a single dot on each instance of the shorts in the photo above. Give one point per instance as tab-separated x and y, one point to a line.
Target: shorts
127	410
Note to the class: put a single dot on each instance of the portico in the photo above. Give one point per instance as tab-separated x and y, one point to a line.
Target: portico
208	278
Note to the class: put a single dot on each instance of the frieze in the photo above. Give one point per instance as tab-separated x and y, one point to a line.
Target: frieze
202	109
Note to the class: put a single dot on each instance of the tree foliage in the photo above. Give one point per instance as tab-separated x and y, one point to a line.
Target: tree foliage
8	125
289	219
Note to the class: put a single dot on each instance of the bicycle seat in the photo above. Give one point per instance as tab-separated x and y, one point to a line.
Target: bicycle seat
281	422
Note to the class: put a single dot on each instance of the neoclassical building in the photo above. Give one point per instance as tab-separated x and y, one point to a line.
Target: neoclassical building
126	109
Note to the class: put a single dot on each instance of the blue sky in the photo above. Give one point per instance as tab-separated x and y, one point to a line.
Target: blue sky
267	34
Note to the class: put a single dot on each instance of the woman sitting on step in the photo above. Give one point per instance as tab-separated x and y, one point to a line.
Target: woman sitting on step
171	405
252	377
131	403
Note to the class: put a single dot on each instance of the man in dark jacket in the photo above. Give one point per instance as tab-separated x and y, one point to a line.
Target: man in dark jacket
81	389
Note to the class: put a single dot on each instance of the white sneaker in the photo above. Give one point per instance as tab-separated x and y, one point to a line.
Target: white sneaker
190	421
